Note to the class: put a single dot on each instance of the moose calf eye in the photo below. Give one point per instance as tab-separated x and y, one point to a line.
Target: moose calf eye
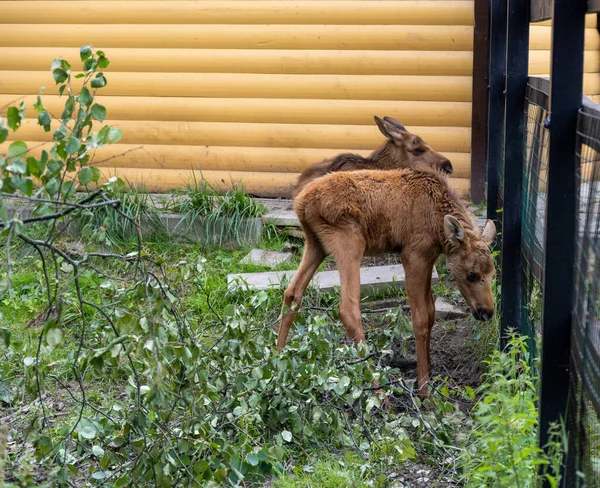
472	277
418	151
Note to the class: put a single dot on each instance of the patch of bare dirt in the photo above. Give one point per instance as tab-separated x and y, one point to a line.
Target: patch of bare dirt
452	354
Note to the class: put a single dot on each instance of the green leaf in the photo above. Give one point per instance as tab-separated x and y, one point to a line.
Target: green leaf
252	459
17	148
3	131
85	52
38	105
98	112
86	429
60	75
73	145
60	133
44	120
5	336
286	435
114	135
69	189
23	184
85	96
103	135
13	118
257	373
54	337
97	451
69	107
56	64
89	174
54	166
201	466
90	64
61	90
99	81
35	167
52	187
103	62
44	445
17	166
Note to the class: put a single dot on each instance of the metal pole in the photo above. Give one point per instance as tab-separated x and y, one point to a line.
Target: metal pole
479	113
517	66
497	67
566	81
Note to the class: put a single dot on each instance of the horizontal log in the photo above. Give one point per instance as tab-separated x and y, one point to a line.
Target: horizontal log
260	110
233	85
247	12
591	21
258	184
591	83
276	61
218	158
311	136
210	36
539	62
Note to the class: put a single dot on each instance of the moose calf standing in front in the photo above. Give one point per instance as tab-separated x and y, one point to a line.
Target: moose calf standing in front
351	214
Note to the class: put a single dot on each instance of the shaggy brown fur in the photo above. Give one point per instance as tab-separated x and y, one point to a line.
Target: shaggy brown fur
401	150
351	214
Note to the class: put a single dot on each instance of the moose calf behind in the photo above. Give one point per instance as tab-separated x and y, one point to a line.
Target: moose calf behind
401	150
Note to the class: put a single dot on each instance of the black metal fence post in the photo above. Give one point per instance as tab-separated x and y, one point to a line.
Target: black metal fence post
479	111
497	68
566	80
517	67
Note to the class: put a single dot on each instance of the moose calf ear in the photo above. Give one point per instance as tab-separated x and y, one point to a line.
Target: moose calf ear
453	229
381	124
390	130
489	231
395	123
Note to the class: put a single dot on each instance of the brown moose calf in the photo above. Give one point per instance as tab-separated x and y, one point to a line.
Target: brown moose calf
351	214
401	150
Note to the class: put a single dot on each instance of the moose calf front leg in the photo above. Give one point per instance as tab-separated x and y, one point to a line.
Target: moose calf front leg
422	310
421	330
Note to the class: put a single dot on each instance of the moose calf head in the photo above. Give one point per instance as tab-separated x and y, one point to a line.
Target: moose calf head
409	150
470	261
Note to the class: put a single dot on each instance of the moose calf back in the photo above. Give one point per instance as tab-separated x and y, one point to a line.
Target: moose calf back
391	208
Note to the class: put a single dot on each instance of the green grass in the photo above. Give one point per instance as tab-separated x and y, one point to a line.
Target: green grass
106	225
326	472
502	449
224	214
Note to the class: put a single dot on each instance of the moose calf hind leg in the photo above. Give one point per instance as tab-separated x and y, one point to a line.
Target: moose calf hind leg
292	298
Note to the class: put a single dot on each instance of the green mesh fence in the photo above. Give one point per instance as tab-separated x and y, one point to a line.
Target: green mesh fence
535	165
584	406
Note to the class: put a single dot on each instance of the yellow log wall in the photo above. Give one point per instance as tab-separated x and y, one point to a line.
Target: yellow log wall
257	90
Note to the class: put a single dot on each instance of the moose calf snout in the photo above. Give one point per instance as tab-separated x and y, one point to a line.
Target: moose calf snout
483	314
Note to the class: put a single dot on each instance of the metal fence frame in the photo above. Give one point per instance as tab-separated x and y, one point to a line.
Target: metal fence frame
513	182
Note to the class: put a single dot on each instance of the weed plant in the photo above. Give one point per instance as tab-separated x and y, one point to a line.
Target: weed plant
225	214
